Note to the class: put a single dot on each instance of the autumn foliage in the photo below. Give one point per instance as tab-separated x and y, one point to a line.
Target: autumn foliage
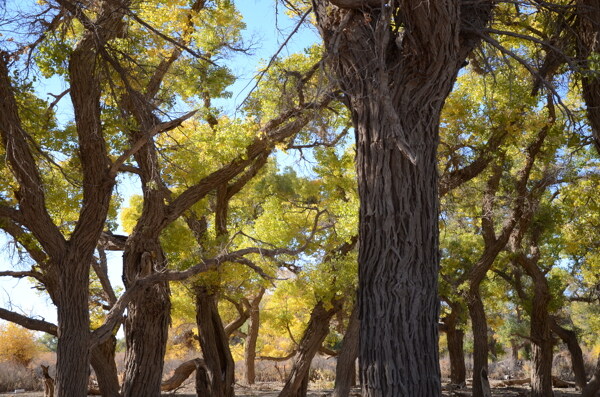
17	344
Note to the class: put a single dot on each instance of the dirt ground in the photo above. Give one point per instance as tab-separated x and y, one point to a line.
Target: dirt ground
270	390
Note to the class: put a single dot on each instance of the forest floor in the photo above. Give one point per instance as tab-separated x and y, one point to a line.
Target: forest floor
272	390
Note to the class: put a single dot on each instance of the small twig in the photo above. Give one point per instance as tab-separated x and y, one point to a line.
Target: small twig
272	60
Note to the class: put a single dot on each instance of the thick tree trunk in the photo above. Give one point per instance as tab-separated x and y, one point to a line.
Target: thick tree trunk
148	318
220	366
480	343
397	65
103	362
73	352
317	329
398	257
345	367
252	337
570	339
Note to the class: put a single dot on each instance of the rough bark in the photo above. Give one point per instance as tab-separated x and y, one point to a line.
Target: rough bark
396	83
214	342
252	337
148	315
316	331
103	361
588	44
345	367
569	337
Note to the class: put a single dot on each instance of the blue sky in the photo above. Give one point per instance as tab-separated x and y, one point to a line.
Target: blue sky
267	30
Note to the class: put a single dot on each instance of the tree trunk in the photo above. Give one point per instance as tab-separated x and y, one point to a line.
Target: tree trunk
570	339
181	374
148	318
345	368
541	337
480	344
593	386
103	362
73	352
396	65
455	337
317	329
588	31
250	346
215	344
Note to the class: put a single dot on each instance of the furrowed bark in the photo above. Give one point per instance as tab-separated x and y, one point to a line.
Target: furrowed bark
396	84
588	44
214	342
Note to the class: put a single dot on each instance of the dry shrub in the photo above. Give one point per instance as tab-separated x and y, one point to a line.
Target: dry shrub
16	376
445	367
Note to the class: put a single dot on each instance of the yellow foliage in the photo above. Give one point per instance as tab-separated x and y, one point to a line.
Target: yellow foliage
17	344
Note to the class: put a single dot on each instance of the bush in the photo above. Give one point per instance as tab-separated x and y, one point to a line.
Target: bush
18	344
15	376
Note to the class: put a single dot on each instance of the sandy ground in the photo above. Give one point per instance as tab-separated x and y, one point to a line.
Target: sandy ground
268	390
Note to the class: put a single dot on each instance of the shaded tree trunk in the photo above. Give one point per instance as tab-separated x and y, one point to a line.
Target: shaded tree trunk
220	366
455	339
542	345
316	331
252	337
396	81
593	386
182	372
570	339
480	342
103	362
345	368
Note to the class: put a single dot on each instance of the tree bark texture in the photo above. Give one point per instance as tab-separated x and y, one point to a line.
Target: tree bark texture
147	322
103	362
252	337
396	81
588	44
73	352
345	367
214	342
317	329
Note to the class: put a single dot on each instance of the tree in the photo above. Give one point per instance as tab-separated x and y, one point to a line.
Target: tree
396	63
125	74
